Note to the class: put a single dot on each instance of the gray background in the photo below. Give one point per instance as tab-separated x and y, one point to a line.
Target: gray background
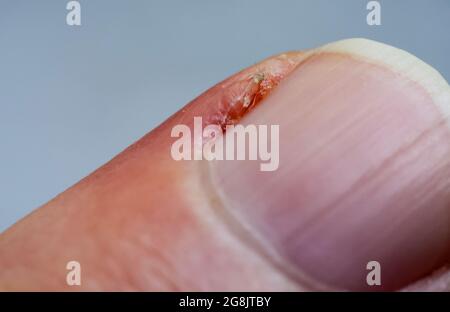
73	97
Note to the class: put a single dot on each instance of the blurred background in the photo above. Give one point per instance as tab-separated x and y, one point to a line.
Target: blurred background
72	97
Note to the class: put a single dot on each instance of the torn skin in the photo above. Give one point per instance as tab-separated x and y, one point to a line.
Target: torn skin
242	97
243	94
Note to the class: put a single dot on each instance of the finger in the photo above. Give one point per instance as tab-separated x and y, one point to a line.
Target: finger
144	221
363	172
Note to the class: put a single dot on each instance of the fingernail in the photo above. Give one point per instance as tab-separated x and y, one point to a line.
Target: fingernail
363	173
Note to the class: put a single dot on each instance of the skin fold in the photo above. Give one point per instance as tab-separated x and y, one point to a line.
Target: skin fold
146	222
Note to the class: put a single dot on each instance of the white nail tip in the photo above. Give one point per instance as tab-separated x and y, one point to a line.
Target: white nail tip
399	61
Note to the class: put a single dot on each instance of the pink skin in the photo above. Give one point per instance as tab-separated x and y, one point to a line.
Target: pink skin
363	175
146	222
134	224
